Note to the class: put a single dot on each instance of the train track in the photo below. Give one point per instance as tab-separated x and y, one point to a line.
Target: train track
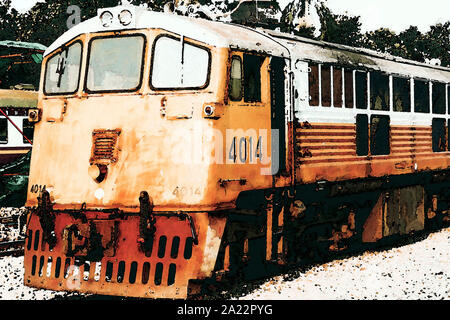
12	248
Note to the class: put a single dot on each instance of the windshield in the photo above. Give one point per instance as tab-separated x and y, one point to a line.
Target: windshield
179	65
63	70
115	64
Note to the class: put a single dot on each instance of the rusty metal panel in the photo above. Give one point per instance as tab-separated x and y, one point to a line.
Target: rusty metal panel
373	226
404	211
163	271
327	151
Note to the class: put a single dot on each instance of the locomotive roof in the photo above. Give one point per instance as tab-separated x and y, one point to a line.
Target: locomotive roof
324	52
226	35
215	33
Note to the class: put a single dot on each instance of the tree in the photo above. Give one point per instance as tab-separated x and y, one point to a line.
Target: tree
413	44
437	43
383	40
292	14
340	29
9	18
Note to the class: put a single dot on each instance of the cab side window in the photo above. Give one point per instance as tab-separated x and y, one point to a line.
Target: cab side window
252	78
235	91
3	130
28	130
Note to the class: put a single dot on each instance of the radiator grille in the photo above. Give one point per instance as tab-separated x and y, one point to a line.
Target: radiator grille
104	146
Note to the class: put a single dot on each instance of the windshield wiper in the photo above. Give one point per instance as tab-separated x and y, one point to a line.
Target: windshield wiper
61	69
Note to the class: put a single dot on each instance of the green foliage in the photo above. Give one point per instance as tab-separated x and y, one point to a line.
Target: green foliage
47	21
437	43
340	29
8	18
294	11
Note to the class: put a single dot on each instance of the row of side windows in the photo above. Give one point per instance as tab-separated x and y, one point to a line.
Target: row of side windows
372	138
27	129
336	86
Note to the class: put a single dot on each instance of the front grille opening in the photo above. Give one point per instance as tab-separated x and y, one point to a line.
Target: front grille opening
109	271
41	265
33	265
162	246
149	247
98	269
86	270
49	266
29	239
58	267
158	273
133	271
172	272
188	248
66	268
121	271
175	247
36	240
145	272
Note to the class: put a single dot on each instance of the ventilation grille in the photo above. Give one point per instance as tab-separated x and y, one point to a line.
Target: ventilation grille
104	146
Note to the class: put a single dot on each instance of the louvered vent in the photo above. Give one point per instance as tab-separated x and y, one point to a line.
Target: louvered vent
104	146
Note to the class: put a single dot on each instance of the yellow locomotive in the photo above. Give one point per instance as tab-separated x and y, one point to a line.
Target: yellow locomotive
168	150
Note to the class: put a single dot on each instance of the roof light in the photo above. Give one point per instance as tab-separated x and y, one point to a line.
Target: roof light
125	17
106	18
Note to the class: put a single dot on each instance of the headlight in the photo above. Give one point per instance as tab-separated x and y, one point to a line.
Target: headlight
34	115
106	18
208	110
125	17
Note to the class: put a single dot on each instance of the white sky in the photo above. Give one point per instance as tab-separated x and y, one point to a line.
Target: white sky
397	15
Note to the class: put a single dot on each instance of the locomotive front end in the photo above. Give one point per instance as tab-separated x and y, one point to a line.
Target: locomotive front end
120	196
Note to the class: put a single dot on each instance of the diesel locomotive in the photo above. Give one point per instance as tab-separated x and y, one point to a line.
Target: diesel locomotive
169	150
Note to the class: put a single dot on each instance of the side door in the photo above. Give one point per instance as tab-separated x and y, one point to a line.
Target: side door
248	122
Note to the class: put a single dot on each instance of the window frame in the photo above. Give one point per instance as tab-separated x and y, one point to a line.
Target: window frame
260	82
409	80
88	59
349	73
25	141
336	69
7	131
317	85
380	74
427	84
188	41
372	141
434	134
51	55
366	93
241	94
326	88
434	84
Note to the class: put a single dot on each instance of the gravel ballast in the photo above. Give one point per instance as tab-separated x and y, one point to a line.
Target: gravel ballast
415	271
